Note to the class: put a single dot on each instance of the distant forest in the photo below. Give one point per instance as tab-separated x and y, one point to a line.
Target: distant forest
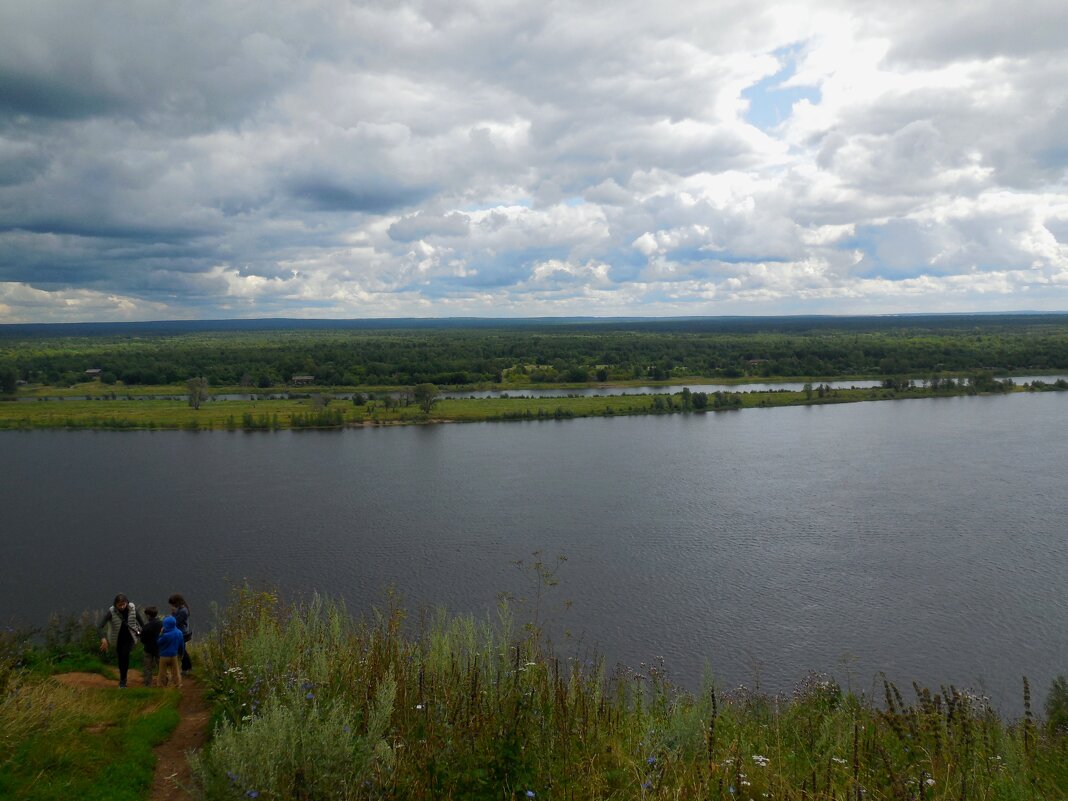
267	353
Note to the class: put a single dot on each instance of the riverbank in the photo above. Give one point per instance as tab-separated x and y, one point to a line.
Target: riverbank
311	702
321	411
98	390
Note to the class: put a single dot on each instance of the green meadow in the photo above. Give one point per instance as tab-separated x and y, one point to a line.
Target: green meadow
324	411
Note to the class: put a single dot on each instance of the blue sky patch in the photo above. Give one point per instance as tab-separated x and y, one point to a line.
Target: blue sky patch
769	101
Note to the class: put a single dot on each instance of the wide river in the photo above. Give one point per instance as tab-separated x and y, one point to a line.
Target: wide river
924	538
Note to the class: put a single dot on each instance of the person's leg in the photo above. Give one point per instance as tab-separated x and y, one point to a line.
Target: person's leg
165	670
122	653
148	667
175	674
169	670
187	665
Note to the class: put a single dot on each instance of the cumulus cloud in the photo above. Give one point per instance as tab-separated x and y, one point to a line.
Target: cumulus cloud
420	226
341	158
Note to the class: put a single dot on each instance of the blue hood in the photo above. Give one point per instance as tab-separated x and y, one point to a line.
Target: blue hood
169	623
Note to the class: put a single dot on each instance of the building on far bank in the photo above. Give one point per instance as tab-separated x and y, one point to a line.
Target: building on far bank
301	380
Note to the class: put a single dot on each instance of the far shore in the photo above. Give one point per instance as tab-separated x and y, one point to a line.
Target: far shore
119	390
316	408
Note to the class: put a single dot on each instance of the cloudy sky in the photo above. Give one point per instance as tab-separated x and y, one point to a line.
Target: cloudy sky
163	160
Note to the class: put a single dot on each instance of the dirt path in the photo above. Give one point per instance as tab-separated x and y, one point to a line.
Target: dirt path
173	779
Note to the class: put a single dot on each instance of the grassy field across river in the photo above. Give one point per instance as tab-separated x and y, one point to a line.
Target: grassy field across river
322	411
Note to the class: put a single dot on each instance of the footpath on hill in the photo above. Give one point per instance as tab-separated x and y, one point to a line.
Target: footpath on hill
173	780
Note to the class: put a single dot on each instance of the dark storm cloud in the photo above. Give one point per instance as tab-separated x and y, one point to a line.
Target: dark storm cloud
105	231
38	96
327	195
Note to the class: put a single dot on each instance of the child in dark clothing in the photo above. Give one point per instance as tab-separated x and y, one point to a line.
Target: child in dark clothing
149	635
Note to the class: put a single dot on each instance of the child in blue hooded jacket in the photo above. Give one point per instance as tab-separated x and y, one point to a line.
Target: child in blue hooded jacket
170	642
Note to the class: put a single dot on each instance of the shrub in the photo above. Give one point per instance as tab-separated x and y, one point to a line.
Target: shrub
313	703
295	747
14	650
1057	706
70	635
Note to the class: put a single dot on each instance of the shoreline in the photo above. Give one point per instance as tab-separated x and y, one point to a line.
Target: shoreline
311	413
97	390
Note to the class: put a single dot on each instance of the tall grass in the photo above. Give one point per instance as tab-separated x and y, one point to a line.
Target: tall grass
313	703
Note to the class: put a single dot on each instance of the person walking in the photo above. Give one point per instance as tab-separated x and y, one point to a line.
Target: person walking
120	628
170	648
180	611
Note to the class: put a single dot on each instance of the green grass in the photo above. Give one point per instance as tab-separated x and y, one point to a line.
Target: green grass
304	413
83	744
58	741
315	704
156	414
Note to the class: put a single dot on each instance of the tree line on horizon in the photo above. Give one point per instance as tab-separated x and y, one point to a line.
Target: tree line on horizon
459	356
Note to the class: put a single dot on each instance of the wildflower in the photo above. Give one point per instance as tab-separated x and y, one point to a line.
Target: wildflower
231	776
651	760
310	696
839	760
929	782
761	760
253	793
647	786
418	706
530	793
346	729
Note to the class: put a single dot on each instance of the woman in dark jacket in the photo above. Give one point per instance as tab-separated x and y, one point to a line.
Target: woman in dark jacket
121	626
180	612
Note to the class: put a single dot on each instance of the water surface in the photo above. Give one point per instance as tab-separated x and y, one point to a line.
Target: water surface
924	538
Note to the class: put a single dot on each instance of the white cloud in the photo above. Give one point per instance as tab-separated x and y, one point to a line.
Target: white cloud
359	158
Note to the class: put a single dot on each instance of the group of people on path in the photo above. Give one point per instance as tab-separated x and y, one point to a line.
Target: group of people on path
123	626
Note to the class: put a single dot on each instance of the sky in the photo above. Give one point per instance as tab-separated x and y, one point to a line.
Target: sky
508	158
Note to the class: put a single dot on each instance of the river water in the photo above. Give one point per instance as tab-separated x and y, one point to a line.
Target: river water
923	538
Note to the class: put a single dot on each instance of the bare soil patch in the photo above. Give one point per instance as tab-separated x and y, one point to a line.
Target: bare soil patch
83	680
